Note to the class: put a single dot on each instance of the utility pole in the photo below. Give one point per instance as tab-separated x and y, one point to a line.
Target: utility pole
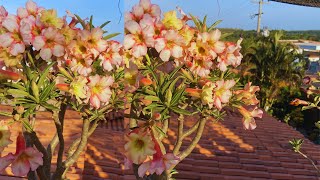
259	14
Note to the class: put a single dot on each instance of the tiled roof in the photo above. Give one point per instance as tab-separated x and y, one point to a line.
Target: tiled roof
226	151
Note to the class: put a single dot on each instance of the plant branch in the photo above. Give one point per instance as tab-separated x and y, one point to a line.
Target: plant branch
59	123
195	140
82	144
41	171
179	140
164	129
314	165
191	130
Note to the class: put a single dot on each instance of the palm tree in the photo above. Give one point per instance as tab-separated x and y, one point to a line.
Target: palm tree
272	65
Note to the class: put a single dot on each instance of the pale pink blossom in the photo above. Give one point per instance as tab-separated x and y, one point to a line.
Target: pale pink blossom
159	162
31	10
12	39
171	45
136	39
230	56
99	90
248	117
144	7
3	14
222	92
94	40
139	146
50	43
30	29
247	95
24	160
112	56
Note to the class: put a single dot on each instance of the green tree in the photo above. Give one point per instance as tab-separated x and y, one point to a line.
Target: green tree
272	65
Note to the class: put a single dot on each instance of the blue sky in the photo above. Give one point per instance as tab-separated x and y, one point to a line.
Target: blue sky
236	13
102	10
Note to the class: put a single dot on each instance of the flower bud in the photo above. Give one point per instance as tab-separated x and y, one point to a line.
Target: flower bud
20	109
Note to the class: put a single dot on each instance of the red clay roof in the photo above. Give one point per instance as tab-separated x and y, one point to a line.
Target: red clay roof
226	151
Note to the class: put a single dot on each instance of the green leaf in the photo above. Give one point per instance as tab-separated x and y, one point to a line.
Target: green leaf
49	106
35	91
180	111
196	22
15	92
27	126
147	91
152	98
214	25
30	58
5	114
16	85
161	131
83	24
177	96
111	36
168	97
44	75
65	73
47	91
90	22
104	24
30	111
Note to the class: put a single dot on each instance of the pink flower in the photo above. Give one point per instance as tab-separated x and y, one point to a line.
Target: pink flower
94	40
3	14
30	29
230	56
31	10
139	145
222	92
159	163
23	160
139	35
248	117
170	45
247	95
99	90
112	56
297	102
12	39
49	43
144	7
4	136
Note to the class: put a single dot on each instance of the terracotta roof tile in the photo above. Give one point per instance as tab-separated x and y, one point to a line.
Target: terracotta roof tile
226	151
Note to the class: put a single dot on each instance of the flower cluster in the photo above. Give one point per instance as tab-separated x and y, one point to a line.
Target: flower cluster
173	38
90	58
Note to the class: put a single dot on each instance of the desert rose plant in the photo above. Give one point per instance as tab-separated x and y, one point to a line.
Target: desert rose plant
174	70
312	89
53	63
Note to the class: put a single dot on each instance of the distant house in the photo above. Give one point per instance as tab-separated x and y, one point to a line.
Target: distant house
311	51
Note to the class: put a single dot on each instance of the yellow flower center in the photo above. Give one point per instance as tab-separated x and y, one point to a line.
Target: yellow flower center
96	89
139	144
23	157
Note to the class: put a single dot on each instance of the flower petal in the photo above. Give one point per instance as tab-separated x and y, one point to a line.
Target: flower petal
165	55
143	168
5	161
